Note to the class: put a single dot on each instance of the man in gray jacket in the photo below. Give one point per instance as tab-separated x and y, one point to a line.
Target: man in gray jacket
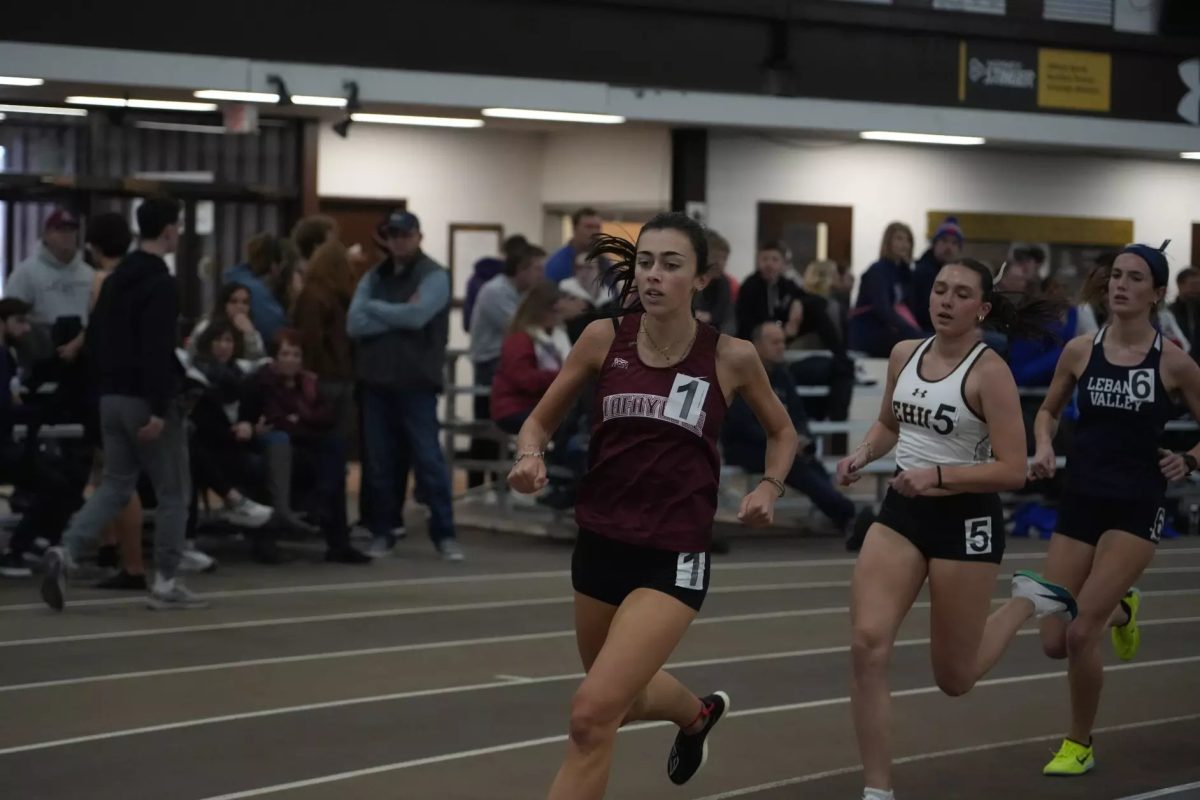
57	282
400	321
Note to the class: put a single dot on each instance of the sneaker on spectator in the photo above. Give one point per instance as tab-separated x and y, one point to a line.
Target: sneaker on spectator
14	566
194	560
246	513
380	547
450	550
399	533
54	582
171	595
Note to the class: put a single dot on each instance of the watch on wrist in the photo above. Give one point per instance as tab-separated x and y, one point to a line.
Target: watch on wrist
1191	462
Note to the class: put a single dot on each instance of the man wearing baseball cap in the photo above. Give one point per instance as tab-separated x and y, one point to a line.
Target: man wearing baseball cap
400	322
945	246
57	282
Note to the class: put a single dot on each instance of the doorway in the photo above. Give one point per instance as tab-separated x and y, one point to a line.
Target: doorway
358	221
810	232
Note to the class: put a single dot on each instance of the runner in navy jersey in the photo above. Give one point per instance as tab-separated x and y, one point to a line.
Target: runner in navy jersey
1112	514
646	506
951	410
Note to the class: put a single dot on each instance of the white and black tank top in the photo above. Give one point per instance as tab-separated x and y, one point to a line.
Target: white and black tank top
1122	413
937	424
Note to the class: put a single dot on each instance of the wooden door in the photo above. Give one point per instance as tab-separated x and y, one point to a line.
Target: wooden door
358	220
797	225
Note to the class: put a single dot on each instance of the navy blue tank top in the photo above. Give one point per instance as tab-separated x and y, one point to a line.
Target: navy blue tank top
1122	412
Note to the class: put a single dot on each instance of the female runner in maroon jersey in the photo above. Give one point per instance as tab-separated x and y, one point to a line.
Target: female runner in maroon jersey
646	507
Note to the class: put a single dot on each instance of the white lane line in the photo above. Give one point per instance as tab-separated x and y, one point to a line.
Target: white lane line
721	566
529	743
486	640
515	679
958	751
447	608
503	681
1164	792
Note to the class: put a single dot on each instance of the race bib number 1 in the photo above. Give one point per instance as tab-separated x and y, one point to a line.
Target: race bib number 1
687	399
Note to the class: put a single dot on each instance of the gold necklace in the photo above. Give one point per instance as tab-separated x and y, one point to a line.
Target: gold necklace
666	351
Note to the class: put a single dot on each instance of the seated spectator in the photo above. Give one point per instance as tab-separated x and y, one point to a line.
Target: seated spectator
57	283
226	418
532	355
233	305
292	404
261	274
55	485
714	303
821	278
881	316
744	442
585	296
769	296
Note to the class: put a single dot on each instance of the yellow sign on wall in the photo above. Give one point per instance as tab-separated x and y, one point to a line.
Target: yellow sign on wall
1074	79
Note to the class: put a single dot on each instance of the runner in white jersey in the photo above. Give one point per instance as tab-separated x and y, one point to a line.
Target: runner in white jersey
952	412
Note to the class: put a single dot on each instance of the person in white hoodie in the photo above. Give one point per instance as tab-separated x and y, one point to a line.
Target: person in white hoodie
57	282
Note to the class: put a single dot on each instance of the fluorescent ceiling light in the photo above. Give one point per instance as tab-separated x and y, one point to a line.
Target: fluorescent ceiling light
183	127
237	97
172	105
158	105
920	138
8	81
84	100
61	112
1195	155
405	119
553	116
317	100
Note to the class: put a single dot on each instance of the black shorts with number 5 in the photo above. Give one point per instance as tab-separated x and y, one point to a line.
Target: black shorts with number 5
607	570
955	527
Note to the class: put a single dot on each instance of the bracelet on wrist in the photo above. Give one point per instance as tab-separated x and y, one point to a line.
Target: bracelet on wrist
778	484
529	454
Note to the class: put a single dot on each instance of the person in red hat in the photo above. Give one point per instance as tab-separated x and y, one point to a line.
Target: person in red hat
57	282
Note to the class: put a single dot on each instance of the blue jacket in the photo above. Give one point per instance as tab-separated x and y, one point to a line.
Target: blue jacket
1033	362
561	265
265	311
875	327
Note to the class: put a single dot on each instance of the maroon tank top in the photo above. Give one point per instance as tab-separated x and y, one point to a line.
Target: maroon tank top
653	466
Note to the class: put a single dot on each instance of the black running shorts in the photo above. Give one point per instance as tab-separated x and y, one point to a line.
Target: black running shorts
607	570
1085	517
956	527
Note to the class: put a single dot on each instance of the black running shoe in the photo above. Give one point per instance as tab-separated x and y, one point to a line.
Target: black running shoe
690	751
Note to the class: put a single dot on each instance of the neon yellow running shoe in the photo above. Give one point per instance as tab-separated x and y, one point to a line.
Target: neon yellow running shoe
1126	638
1071	759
